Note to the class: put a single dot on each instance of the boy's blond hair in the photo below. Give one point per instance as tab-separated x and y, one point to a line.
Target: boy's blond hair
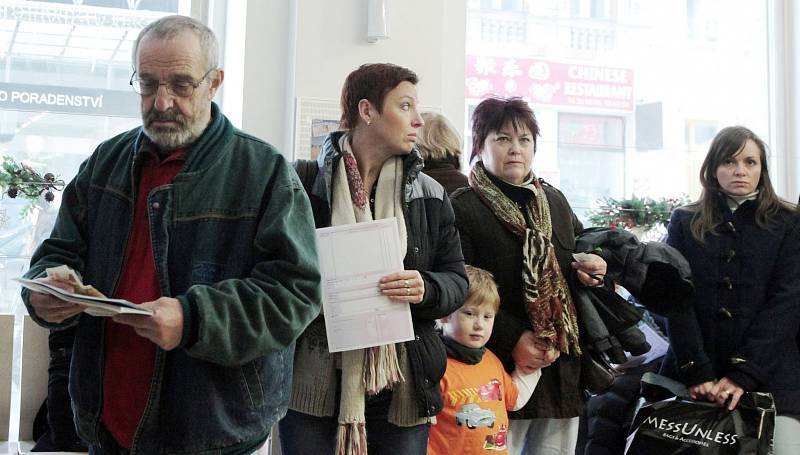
482	288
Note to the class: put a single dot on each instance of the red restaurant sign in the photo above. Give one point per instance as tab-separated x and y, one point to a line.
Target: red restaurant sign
546	82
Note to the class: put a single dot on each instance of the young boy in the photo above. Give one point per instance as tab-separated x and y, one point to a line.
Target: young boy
477	391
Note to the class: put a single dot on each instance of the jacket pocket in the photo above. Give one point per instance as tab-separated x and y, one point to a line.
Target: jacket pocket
208	273
433	358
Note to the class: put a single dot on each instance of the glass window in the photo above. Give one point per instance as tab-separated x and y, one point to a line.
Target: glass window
64	89
627	92
587	143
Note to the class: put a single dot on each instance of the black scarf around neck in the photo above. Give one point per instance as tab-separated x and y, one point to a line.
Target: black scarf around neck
470	356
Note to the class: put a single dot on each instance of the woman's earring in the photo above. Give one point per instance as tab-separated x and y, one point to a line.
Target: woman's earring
369	123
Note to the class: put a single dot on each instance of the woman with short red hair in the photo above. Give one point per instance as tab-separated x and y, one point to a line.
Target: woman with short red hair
380	399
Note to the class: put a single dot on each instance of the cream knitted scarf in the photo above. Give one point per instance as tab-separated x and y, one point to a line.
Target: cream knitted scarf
371	370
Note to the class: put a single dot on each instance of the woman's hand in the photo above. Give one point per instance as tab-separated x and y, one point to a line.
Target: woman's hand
726	389
531	354
701	391
592	271
406	286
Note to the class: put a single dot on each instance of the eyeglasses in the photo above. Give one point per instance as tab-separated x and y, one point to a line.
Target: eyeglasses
182	88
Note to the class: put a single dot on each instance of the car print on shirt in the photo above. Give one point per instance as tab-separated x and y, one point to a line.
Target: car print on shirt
496	441
491	391
473	416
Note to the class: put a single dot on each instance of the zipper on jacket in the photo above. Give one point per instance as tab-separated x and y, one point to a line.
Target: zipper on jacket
99	415
154	381
113	290
160	353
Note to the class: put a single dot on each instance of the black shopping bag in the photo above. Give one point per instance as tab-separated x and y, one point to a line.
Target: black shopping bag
677	425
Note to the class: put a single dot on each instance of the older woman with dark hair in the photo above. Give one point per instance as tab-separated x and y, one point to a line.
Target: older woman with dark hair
743	245
523	231
441	149
382	398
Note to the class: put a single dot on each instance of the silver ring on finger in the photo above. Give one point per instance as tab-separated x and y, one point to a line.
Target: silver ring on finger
405	283
408	291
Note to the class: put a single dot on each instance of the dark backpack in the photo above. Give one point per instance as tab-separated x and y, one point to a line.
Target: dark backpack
308	170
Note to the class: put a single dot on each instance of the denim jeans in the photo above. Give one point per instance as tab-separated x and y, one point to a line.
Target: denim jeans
787	435
110	447
303	434
543	436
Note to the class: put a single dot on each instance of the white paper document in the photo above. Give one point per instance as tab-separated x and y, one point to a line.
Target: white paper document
658	347
353	258
96	306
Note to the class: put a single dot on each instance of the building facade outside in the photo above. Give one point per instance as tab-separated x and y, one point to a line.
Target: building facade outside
628	93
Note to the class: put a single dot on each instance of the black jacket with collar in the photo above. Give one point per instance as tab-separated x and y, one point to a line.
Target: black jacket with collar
656	274
745	315
433	249
488	244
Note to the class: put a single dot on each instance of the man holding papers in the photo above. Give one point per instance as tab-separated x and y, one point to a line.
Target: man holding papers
379	398
207	227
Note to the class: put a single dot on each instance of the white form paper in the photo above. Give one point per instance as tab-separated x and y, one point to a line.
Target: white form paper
96	306
658	347
353	258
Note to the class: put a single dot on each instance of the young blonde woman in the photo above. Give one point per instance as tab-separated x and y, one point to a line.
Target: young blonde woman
440	146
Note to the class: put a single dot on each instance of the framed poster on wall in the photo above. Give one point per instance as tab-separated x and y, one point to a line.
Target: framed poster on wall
315	118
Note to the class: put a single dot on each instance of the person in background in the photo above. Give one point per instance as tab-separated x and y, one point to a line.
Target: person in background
441	149
476	389
522	230
208	228
378	399
743	245
53	429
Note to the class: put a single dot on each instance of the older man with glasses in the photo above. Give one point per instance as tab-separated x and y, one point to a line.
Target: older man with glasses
209	229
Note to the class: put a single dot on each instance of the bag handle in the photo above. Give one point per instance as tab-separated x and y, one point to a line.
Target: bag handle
655	384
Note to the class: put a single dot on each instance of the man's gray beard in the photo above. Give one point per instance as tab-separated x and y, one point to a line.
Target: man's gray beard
172	139
188	129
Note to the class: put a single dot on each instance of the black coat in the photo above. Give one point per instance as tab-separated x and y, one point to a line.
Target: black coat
433	249
655	273
746	313
488	244
446	172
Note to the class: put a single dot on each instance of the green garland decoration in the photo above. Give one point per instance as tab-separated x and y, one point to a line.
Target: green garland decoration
21	180
636	211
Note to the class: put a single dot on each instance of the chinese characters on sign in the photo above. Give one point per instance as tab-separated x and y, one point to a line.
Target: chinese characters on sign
545	82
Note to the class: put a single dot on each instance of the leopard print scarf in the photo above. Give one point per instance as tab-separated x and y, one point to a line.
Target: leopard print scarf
548	302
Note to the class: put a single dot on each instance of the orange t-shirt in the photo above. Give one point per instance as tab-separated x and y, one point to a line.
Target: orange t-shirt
476	403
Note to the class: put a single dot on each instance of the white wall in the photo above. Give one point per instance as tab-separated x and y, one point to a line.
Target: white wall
792	41
426	36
